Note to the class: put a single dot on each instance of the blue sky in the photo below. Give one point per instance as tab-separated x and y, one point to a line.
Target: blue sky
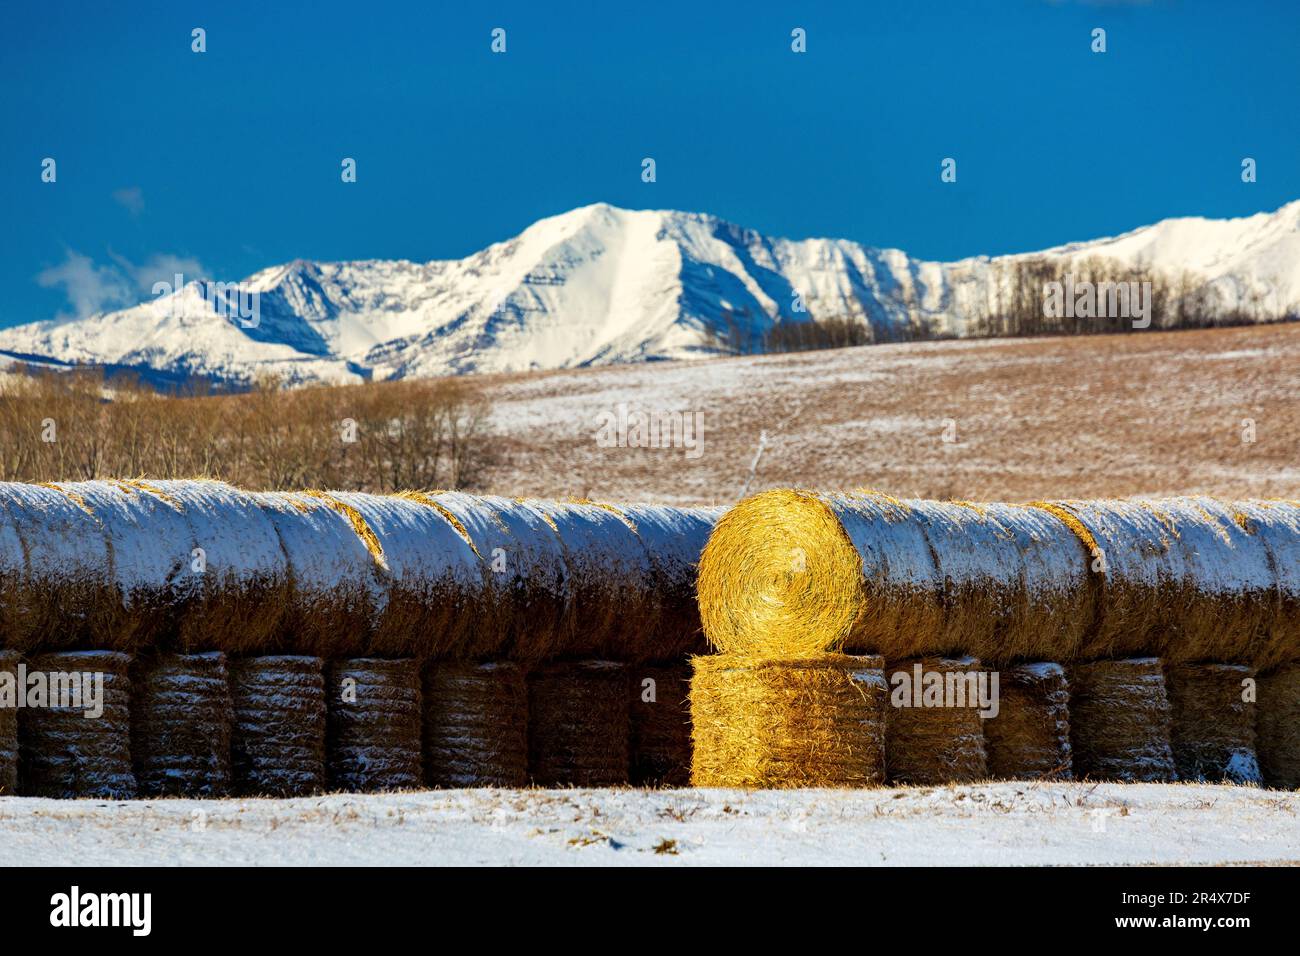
228	161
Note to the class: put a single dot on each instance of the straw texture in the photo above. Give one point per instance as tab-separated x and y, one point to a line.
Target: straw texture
1212	722
476	724
930	744
278	731
578	724
1278	727
1029	738
373	725
1119	721
9	726
181	716
660	726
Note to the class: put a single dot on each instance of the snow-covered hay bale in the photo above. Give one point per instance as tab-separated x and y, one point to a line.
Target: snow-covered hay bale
476	724
335	593
935	737
613	610
1030	736
278	733
674	538
9	691
578	724
433	577
660	726
372	740
1277	727
798	722
62	751
1276	524
180	725
1212	722
1119	721
525	594
17	608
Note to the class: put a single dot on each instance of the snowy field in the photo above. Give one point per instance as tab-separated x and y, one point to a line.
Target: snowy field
994	824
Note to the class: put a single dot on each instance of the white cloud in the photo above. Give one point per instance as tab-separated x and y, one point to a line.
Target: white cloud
91	287
131	198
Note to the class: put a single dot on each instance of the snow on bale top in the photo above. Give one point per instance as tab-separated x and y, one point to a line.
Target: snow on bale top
1276	525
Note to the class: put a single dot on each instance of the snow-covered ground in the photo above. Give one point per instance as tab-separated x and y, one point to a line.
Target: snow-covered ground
991	824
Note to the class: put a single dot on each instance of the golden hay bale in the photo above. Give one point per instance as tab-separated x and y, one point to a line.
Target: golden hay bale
476	724
334	589
1277	729
526	589
1276	524
934	739
798	722
1212	723
431	572
1119	721
372	739
278	732
578	724
613	606
9	723
63	752
660	726
180	725
674	538
1030	736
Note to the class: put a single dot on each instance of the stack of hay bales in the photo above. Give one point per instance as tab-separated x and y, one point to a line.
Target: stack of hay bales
660	726
1278	727
1212	722
373	725
9	723
578	727
1030	736
476	724
935	739
1119	721
278	730
181	724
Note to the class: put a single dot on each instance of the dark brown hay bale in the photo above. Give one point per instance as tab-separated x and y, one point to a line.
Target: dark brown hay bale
278	733
1030	736
931	744
800	722
660	723
180	725
1277	526
1119	721
334	586
372	737
64	753
476	724
13	574
1277	731
578	724
9	691
1212	725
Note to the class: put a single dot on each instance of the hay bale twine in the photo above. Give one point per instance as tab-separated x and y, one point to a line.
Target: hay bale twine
64	753
476	724
372	739
180	725
526	590
798	722
1030	736
660	726
578	724
1212	722
1277	727
278	733
1277	526
9	723
335	593
674	539
935	740
1119	721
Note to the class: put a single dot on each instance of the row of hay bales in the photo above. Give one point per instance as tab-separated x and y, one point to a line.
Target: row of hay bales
194	566
204	725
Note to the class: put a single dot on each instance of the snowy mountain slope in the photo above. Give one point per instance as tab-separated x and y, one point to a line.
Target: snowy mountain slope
599	285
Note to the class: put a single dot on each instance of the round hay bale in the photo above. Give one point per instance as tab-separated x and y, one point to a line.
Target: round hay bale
1119	721
13	576
798	722
238	568
1277	526
372	739
335	593
578	724
1030	737
1277	727
674	538
613	611
932	740
660	726
180	725
476	724
277	740
526	591
9	691
62	752
1211	723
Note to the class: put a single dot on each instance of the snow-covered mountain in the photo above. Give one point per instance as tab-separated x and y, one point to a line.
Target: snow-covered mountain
601	285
